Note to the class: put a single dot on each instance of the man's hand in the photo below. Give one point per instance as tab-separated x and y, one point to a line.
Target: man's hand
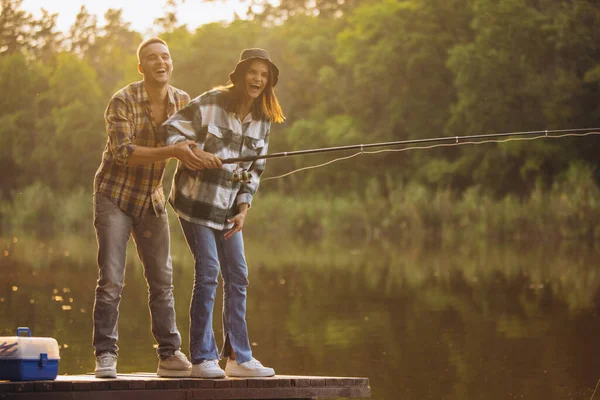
183	152
209	160
238	222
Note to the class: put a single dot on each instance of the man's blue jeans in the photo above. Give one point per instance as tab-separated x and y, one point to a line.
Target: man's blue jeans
211	252
151	235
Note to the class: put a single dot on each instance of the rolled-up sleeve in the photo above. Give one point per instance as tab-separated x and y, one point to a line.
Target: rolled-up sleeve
184	125
119	127
248	189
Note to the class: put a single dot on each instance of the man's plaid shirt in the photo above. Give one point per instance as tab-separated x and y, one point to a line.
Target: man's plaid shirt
136	189
209	197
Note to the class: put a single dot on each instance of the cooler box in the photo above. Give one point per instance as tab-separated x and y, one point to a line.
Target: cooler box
26	358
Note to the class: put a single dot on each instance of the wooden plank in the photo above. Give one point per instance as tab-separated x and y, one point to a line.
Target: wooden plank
285	382
43	386
82	386
119	384
39	396
137	384
270	383
200	394
280	393
6	387
148	386
154	385
318	382
300	382
239	383
206	384
101	384
190	383
24	386
255	383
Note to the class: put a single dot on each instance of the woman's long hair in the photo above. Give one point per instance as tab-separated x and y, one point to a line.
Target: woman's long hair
266	106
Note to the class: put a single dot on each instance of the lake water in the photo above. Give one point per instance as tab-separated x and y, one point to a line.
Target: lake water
468	320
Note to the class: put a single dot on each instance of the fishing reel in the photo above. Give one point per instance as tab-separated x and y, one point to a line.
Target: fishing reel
241	175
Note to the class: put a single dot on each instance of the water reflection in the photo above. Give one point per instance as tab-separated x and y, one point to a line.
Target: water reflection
468	320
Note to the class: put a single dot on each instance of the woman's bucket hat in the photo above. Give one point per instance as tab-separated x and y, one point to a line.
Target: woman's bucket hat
250	54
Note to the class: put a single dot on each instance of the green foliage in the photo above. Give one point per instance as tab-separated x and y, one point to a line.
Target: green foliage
72	125
24	81
113	53
577	201
198	67
14	27
351	72
569	210
534	77
33	210
72	77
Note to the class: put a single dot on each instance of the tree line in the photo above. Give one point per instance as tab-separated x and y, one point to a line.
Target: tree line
351	72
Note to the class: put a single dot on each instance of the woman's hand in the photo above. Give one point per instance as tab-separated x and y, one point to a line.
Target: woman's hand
208	160
238	222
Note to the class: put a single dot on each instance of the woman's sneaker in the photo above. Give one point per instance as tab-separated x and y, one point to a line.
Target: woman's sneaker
252	368
106	365
174	366
207	369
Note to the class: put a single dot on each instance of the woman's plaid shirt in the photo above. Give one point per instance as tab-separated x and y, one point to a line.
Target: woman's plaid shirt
209	197
136	189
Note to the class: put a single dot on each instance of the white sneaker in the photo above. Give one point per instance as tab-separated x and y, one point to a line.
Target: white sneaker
207	369
106	365
252	368
175	366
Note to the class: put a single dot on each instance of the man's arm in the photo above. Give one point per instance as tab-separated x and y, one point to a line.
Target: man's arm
182	151
120	129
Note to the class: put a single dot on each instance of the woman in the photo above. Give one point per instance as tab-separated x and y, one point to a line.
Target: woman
226	122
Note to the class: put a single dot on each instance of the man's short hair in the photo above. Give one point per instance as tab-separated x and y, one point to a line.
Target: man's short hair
146	43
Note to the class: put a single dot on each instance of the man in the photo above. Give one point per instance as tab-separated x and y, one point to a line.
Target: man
129	201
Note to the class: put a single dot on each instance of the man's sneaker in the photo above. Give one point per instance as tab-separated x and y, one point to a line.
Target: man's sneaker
252	368
174	366
106	365
207	369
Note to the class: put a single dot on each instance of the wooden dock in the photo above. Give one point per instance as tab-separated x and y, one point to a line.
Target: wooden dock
148	386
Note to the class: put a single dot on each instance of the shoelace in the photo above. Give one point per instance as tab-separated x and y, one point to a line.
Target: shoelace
211	363
254	362
105	360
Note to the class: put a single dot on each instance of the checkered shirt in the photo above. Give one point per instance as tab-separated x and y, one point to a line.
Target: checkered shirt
136	189
209	197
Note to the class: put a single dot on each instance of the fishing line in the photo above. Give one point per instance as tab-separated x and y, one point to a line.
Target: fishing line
593	394
456	143
312	167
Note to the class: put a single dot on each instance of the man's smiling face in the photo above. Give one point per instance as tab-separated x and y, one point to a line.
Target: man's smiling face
156	64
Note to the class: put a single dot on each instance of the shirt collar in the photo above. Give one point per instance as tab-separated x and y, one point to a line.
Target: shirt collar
141	96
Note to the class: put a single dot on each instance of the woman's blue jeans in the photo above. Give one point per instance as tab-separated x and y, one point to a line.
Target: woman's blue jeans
213	253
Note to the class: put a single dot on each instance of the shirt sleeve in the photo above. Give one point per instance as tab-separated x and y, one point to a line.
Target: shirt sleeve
248	189
184	125
120	128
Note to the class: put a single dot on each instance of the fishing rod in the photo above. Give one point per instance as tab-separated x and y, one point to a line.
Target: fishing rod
242	175
455	139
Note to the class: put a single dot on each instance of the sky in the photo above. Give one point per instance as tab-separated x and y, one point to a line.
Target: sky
140	13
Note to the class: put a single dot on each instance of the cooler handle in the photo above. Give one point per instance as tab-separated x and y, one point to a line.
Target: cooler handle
23	329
